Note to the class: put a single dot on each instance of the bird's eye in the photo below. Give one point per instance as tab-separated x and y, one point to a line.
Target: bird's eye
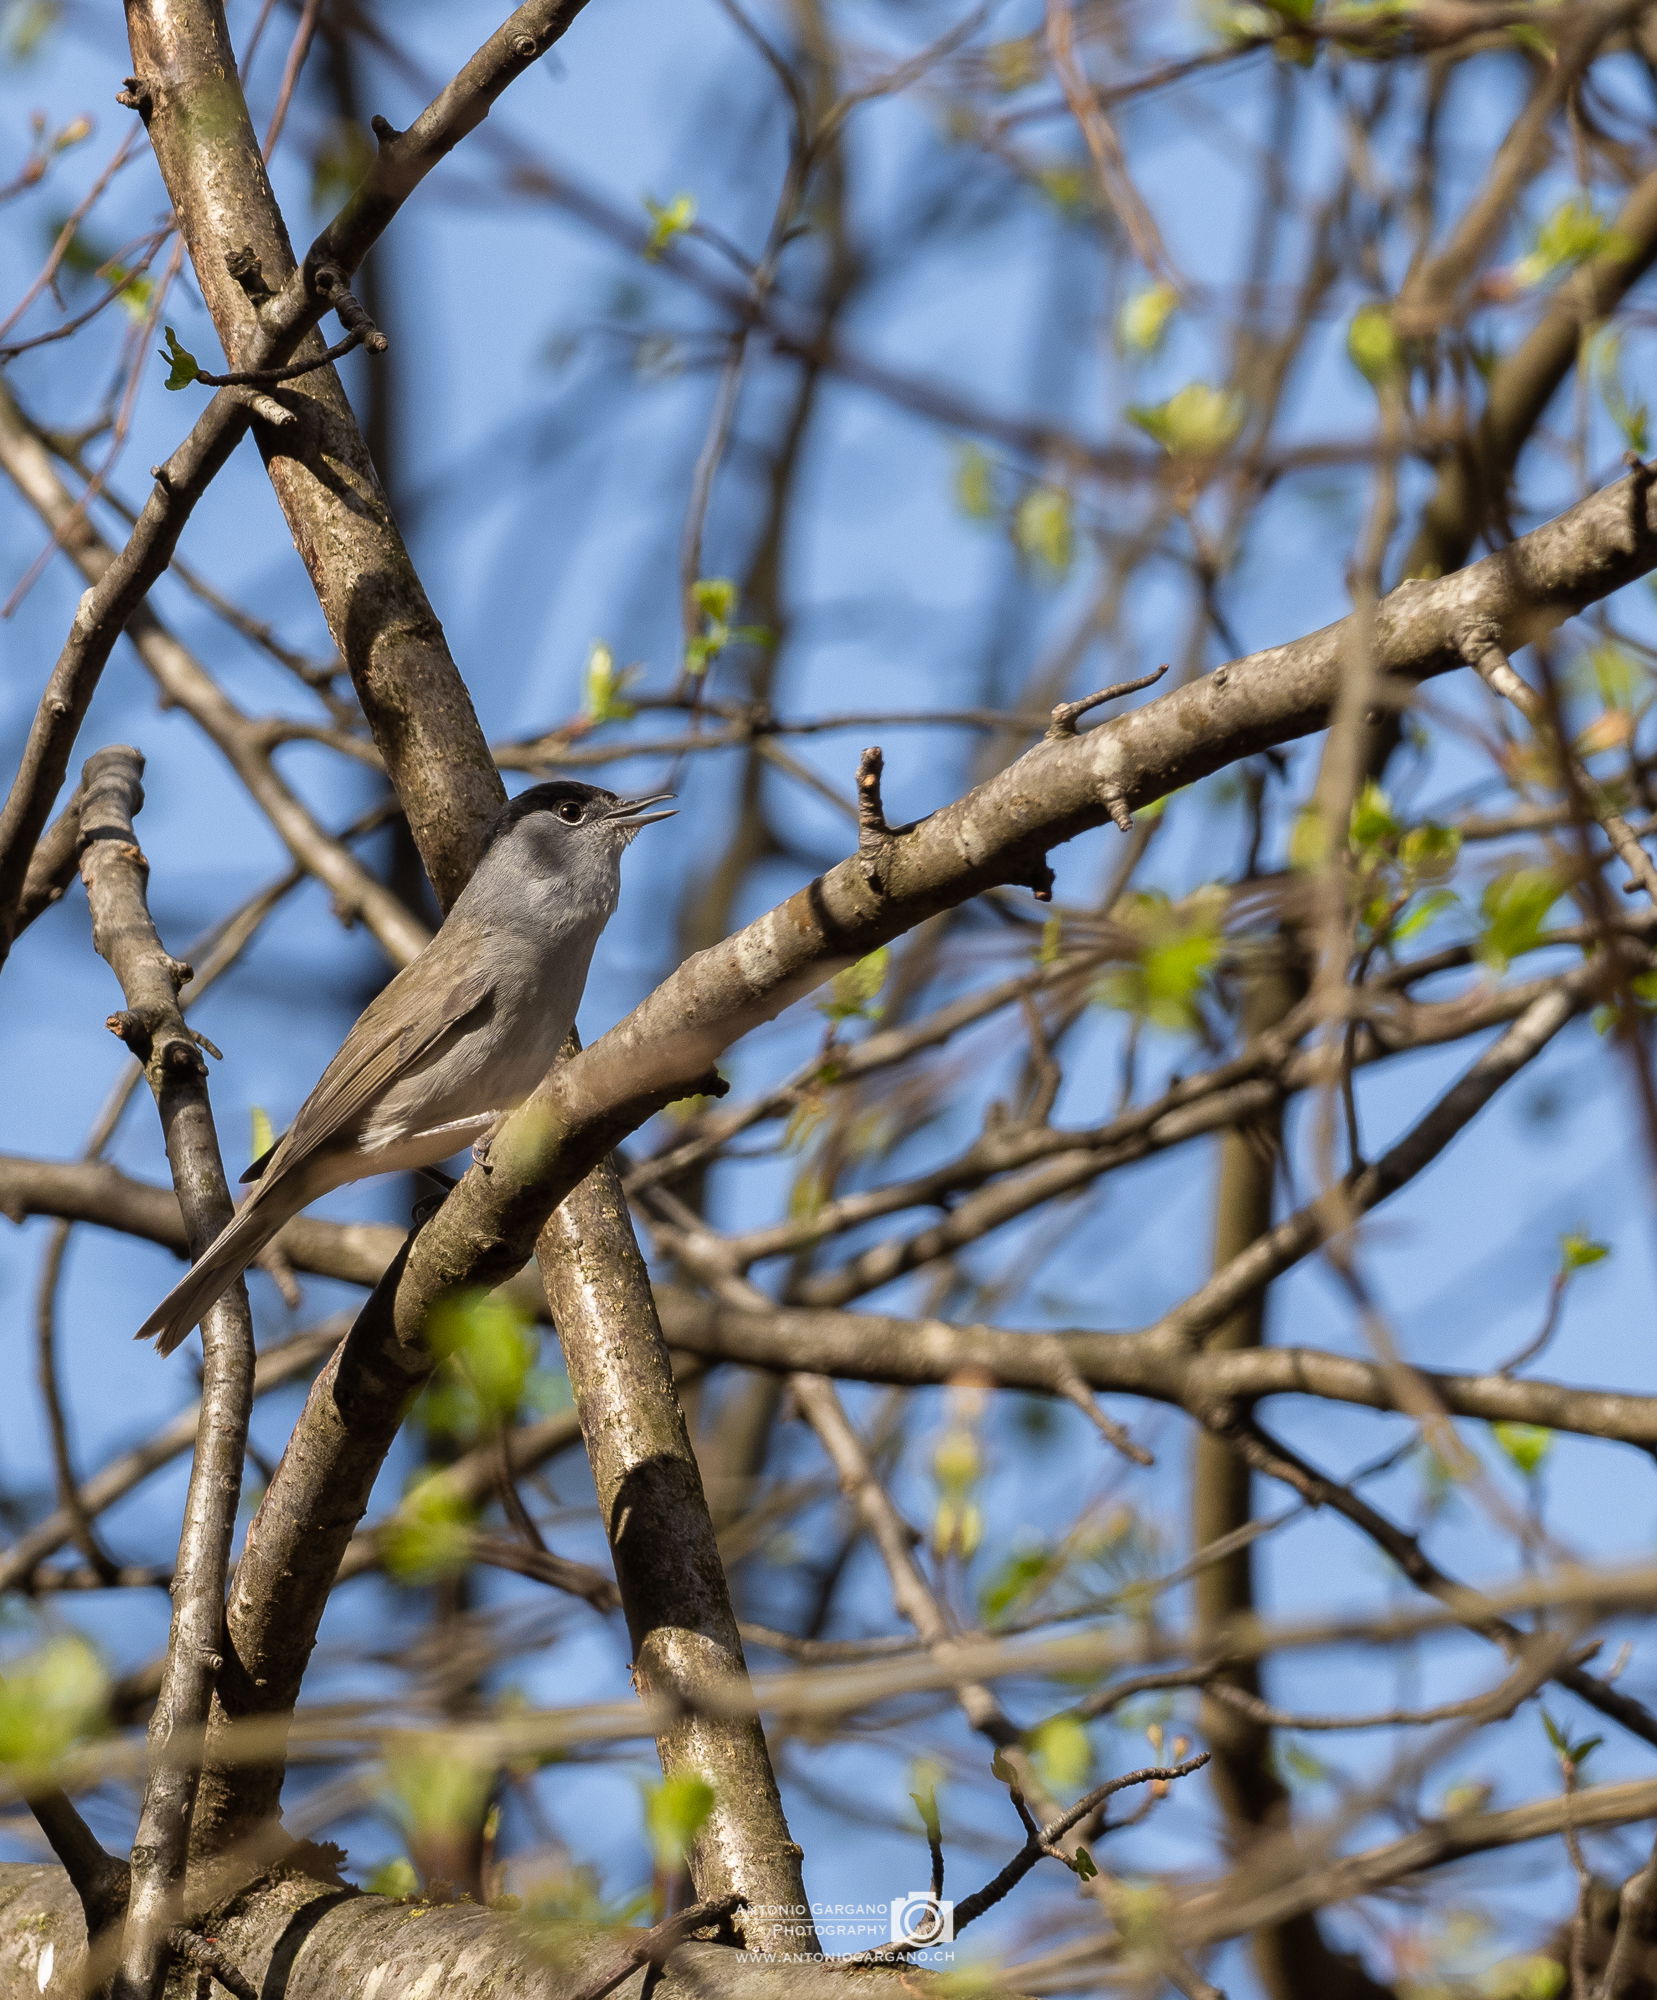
570	813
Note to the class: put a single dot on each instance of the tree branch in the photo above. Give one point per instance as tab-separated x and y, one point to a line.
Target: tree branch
99	621
153	1028
665	1046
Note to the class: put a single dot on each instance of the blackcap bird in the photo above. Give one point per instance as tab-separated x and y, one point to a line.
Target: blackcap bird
460	1037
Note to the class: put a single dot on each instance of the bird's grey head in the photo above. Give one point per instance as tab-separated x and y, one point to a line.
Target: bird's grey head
562	843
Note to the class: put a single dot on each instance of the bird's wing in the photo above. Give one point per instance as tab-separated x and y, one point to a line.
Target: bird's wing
360	1074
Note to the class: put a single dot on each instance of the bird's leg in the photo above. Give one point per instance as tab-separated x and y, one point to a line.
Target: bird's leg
480	1147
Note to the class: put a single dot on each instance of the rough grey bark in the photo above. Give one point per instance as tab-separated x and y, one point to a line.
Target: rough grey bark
673	1585
299	1939
153	1028
381	620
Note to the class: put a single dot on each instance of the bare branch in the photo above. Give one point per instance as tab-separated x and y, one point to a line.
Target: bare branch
153	1028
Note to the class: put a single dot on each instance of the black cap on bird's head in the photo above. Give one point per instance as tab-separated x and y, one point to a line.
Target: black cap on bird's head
568	802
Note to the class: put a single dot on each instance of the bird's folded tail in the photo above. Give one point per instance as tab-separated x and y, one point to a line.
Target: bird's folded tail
221	1263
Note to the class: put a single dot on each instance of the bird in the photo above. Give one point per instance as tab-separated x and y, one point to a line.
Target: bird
457	1039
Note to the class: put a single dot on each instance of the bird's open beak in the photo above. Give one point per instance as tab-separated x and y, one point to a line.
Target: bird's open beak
633	813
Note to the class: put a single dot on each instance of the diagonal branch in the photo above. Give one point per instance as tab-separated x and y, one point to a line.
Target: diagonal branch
99	621
663	1049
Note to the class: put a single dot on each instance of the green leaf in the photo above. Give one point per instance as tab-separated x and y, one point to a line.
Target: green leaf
1197	421
1421	912
184	366
1532	1976
926	1776
487	1340
1373	345
1572	1755
51	1699
675	1812
264	1132
137	291
341	163
1527	1445
1176	946
957	1462
1051	948
854	993
1574	232
605	686
394	1879
430	1535
1526	35
1577	1250
714	597
436	1790
1042	530
975	483
1067	186
1015	65
1428	852
1062	1752
1084	1864
957	1529
1013	1580
1632	417
1308	841
133	290
668	220
1373	823
1616	675
1516	906
1302	1764
807	1194
1142	324
1471	1795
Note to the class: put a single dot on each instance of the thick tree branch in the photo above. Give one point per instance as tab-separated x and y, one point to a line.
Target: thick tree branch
153	1028
308	1940
672	1582
664	1047
262	302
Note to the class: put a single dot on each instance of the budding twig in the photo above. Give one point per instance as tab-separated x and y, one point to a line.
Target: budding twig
267	378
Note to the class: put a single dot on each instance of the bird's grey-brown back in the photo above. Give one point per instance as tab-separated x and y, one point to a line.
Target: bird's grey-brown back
459	1037
526	924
